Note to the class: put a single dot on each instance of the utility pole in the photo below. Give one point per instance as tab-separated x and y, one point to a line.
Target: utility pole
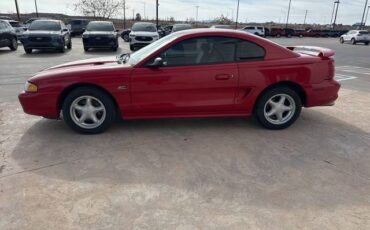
336	14
237	16
363	16
124	14
196	15
37	12
156	12
16	7
305	17
287	18
133	14
368	8
332	14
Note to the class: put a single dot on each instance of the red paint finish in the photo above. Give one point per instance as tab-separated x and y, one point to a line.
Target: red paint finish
228	89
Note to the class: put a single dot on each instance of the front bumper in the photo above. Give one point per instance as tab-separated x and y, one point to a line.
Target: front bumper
99	41
39	104
45	43
322	94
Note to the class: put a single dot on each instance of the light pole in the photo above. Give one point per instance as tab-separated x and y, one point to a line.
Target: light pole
237	16
196	15
287	18
305	17
37	12
368	8
332	14
156	12
124	14
363	16
16	7
336	14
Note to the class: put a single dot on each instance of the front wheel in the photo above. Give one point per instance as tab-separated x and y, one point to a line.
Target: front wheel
353	41
88	110
132	48
69	46
126	37
341	40
278	108
13	44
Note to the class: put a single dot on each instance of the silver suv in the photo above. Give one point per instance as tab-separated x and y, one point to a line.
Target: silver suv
142	34
356	36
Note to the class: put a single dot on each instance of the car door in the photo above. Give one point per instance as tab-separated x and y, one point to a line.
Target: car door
65	33
198	75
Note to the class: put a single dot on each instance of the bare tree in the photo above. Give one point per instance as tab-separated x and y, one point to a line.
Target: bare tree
138	17
98	8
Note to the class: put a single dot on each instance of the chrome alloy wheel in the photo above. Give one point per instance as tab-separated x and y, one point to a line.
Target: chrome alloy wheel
87	112
279	109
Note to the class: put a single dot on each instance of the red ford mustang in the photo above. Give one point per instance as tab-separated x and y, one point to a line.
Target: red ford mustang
193	73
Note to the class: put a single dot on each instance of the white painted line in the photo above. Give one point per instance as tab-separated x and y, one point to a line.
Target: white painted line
354	71
340	77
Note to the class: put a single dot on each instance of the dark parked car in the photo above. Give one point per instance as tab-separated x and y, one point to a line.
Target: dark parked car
77	26
179	27
276	32
167	29
100	34
125	35
288	32
46	34
8	38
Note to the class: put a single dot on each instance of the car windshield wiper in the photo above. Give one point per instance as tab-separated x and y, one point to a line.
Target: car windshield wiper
123	58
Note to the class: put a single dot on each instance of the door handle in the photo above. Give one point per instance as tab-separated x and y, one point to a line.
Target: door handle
224	77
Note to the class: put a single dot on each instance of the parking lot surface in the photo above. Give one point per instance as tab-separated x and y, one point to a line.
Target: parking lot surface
219	173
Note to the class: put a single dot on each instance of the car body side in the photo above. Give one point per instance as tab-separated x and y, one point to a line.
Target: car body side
310	76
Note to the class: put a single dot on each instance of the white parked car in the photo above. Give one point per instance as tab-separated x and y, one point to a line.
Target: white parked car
142	34
257	30
356	36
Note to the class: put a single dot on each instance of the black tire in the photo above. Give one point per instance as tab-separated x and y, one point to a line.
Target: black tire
86	48
353	41
69	46
28	51
366	43
105	99
114	48
13	44
62	48
341	40
132	48
126	37
262	104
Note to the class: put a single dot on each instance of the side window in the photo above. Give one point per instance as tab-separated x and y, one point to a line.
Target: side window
200	51
248	51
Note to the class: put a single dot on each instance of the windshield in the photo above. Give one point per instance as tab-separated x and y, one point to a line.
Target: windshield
144	27
45	25
100	26
149	49
15	24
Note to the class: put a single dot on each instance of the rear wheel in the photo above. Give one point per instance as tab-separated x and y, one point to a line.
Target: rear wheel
88	110
126	37
367	43
341	40
132	48
13	44
86	48
353	41
278	108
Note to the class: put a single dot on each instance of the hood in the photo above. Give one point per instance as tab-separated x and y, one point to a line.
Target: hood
99	33
42	32
144	33
87	62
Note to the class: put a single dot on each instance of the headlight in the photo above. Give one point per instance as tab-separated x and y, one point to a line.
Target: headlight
30	87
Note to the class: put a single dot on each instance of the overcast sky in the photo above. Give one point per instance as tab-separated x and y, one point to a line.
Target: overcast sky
319	11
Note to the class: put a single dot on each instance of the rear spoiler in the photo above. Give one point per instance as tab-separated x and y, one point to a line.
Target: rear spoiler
313	50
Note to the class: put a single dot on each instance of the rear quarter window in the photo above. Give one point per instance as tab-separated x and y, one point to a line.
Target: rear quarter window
249	51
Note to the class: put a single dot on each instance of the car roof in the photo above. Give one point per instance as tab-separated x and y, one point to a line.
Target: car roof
143	23
48	20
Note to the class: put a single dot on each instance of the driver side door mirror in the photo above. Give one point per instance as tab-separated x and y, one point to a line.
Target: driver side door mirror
158	62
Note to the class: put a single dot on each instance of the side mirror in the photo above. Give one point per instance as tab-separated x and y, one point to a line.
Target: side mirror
157	62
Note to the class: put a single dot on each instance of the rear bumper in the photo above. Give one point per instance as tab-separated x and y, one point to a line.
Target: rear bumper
103	43
322	94
39	104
